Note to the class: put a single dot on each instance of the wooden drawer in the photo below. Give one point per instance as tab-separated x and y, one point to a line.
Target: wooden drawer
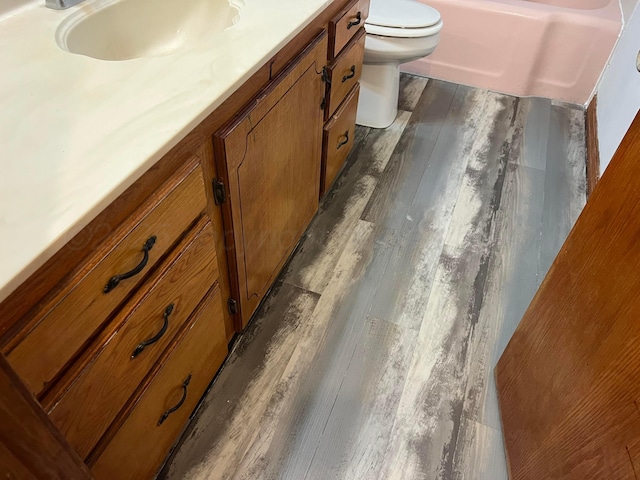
338	138
344	73
66	322
138	448
86	405
344	26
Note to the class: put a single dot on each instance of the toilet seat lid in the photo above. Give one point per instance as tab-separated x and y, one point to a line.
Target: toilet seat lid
403	14
403	32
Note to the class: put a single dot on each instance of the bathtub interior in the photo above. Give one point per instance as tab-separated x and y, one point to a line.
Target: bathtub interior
575	4
544	48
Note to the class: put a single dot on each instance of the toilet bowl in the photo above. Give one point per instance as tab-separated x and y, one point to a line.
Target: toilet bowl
398	31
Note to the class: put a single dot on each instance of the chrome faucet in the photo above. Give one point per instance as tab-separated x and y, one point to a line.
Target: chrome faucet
61	4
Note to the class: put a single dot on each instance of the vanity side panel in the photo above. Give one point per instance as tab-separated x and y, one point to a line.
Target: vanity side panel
29	437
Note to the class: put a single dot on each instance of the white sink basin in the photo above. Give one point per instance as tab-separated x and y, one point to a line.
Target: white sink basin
126	29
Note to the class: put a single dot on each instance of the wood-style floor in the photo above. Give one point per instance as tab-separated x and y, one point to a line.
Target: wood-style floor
373	356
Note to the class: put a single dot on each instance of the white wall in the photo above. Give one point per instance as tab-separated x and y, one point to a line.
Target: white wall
627	8
619	88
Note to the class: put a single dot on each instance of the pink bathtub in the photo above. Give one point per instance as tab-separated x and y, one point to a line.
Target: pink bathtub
547	48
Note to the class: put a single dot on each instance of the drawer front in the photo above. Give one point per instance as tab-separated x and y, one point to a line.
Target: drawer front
346	24
74	316
144	328
197	357
345	73
338	138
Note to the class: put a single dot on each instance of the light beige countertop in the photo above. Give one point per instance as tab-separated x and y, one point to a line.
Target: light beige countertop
75	132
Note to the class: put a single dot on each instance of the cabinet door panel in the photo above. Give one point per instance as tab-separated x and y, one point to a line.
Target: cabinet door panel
271	156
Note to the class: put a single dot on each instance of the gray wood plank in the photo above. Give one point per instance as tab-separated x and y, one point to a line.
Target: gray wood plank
246	391
354	440
565	184
486	458
512	281
411	87
536	133
404	289
429	440
312	266
394	193
311	412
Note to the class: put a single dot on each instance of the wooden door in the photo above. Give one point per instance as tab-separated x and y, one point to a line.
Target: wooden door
270	163
569	380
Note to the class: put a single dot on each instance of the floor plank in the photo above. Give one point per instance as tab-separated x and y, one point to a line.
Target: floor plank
566	161
247	389
312	266
393	196
373	356
536	133
411	88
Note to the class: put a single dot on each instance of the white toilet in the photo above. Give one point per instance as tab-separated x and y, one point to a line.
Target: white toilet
398	31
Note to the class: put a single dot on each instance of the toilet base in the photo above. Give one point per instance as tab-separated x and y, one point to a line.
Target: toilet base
379	90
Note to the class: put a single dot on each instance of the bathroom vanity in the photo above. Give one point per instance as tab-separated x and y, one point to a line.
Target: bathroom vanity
109	345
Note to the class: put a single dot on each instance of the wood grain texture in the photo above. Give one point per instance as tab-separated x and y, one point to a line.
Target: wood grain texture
337	139
422	257
345	25
231	322
567	380
593	146
344	73
273	186
141	444
15	308
85	405
30	446
70	319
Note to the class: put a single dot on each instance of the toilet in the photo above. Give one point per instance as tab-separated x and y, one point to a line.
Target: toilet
398	31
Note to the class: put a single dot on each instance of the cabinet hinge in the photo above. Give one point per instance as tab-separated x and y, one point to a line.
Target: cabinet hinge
232	305
219	192
325	75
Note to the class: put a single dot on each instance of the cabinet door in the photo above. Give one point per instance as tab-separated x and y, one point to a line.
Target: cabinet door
269	159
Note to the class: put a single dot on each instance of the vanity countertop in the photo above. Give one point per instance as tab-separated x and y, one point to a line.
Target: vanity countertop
75	132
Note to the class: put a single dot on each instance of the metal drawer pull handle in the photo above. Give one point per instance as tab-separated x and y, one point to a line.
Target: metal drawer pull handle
115	280
179	404
157	336
350	75
345	141
357	22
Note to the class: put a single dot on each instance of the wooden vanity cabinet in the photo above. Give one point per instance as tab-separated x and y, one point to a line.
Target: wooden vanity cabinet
118	349
226	206
345	59
270	156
